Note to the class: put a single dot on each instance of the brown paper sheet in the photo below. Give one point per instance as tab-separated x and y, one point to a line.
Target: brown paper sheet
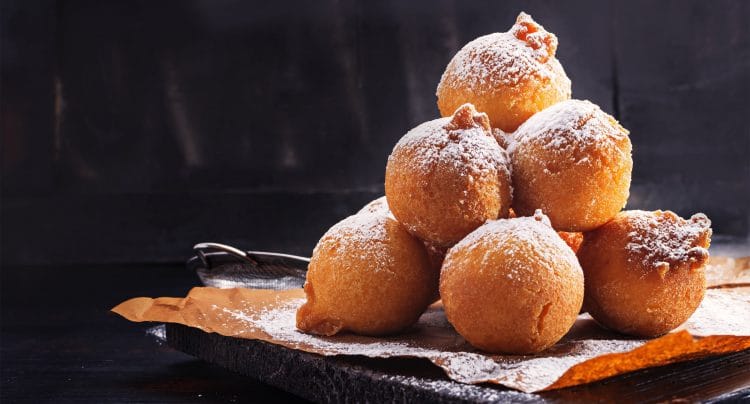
727	271
587	353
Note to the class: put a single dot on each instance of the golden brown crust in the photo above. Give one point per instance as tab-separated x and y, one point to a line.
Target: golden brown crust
574	162
367	275
644	271
512	286
448	176
510	75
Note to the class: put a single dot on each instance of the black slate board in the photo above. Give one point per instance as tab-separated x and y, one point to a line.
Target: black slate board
358	379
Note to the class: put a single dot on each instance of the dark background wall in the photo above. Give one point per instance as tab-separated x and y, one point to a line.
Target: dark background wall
133	129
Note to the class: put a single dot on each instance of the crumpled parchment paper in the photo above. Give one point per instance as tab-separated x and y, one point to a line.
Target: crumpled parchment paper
727	271
587	353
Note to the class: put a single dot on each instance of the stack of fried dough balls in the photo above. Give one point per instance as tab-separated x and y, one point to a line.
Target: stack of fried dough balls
508	209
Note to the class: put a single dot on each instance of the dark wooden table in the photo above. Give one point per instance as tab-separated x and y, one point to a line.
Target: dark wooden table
59	343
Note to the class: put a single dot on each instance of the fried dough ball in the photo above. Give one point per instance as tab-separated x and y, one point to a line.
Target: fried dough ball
573	240
367	275
574	162
512	286
435	254
644	271
448	176
510	75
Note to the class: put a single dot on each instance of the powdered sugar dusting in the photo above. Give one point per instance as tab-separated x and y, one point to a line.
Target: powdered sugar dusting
663	239
569	127
543	42
270	316
363	232
279	324
472	151
730	304
459	360
377	206
517	236
504	59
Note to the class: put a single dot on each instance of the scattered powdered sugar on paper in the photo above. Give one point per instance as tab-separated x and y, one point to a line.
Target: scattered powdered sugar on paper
467	367
587	353
460	361
724	271
730	304
279	323
538	372
465	364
